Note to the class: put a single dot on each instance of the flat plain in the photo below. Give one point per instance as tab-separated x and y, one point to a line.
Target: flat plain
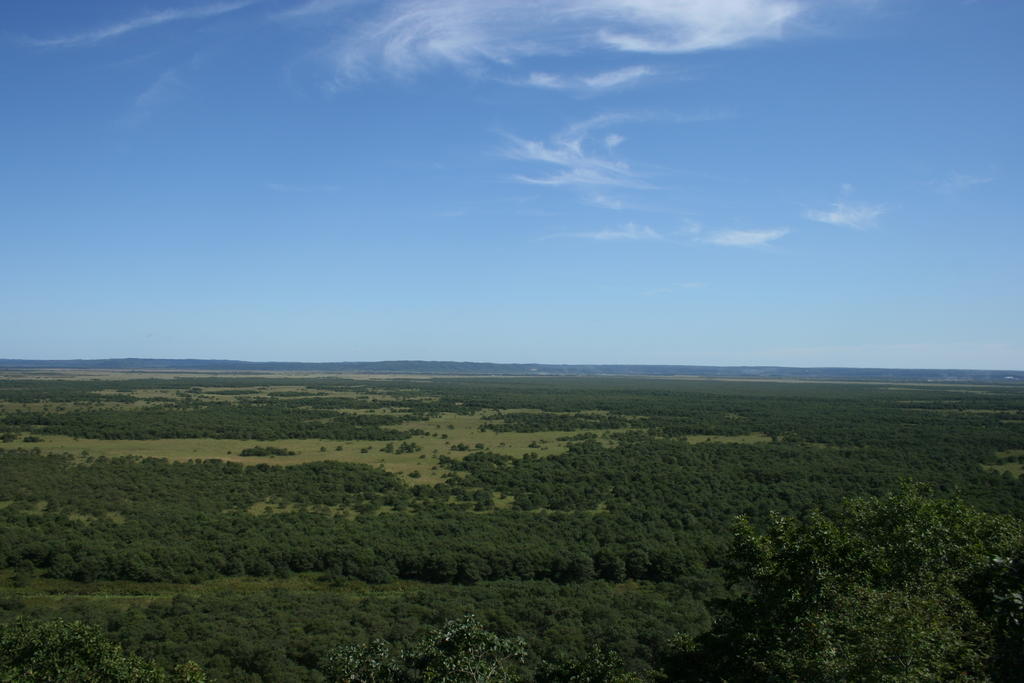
571	510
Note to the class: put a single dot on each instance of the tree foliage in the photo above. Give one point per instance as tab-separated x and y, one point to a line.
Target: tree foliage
613	534
902	588
461	651
72	651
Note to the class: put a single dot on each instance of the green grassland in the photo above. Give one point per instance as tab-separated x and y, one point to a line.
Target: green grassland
1012	462
452	430
447	434
459	430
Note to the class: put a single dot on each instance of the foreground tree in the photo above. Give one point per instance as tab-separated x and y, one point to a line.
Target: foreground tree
461	651
903	588
72	651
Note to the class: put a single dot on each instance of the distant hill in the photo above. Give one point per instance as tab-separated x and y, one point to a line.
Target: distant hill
420	367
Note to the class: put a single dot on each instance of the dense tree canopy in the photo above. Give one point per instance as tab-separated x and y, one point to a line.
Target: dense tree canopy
903	588
42	652
574	513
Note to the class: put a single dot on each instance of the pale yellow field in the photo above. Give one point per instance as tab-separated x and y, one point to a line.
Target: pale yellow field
1014	468
443	433
316	450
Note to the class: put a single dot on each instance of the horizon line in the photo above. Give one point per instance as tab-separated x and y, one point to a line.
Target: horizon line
54	363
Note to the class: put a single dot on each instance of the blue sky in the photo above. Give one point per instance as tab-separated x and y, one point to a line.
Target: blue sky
732	182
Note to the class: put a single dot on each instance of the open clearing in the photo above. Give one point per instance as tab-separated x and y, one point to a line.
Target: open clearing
451	435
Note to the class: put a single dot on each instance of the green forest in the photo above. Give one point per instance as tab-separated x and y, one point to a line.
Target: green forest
274	527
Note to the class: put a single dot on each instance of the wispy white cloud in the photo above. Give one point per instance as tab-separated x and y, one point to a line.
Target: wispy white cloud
159	93
314	8
614	140
850	215
540	79
569	151
605	80
408	36
144	21
667	26
628	232
957	182
613	79
606	202
744	238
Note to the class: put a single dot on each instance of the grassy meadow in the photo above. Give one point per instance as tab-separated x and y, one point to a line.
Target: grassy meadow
447	434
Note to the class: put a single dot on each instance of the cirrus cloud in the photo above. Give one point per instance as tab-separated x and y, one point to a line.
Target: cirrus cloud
744	238
410	36
570	151
957	182
605	80
850	215
141	22
628	232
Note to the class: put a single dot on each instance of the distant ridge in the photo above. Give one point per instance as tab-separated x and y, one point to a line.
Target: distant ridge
421	367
